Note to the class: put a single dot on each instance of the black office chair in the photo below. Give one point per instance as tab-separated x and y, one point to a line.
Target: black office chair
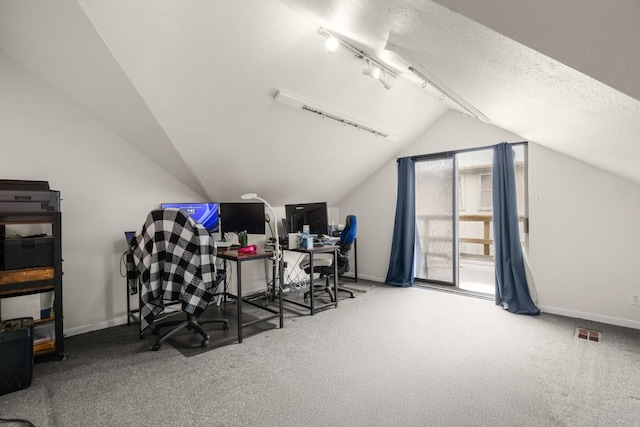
323	263
172	259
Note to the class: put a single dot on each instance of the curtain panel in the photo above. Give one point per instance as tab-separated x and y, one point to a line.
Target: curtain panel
401	263
512	290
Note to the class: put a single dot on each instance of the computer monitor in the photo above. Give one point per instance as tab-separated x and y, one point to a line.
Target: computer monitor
315	215
207	213
239	217
129	235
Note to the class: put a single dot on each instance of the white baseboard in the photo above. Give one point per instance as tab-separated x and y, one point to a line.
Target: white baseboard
590	316
362	276
95	326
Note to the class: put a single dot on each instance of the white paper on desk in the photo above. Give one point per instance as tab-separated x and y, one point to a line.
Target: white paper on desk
330	241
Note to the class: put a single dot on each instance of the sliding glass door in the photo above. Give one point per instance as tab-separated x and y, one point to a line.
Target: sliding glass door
475	216
454	216
436	257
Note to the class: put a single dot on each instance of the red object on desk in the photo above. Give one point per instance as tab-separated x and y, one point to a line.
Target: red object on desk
251	249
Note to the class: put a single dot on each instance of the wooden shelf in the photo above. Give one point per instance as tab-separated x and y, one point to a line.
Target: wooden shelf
43	346
28	281
26	275
26	290
48	319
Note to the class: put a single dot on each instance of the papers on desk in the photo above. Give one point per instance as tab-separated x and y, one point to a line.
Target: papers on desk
329	241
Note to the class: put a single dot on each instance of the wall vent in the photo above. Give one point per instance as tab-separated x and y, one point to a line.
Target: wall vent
588	334
296	102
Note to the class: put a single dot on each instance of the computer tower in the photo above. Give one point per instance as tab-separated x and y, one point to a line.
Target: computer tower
16	354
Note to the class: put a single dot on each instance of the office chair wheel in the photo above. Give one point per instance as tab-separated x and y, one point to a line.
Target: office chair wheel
155	347
225	326
204	343
155	331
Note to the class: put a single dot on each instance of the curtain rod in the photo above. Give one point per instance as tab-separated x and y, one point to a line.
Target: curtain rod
449	153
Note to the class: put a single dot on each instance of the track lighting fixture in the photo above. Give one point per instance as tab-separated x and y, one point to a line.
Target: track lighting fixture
467	109
326	113
374	69
387	77
332	44
386	80
430	79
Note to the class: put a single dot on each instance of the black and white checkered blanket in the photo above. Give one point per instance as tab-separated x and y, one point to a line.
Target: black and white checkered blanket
173	259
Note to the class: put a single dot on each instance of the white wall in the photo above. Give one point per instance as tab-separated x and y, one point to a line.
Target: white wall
584	240
106	186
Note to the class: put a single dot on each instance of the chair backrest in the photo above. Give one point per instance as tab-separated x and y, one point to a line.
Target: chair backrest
173	258
348	234
347	237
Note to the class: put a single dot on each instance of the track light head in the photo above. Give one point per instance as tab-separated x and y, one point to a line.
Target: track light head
372	71
387	80
332	44
375	72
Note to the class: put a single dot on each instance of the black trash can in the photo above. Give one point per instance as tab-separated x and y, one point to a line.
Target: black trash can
16	354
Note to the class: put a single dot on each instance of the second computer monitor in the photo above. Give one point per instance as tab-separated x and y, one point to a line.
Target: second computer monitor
239	217
315	215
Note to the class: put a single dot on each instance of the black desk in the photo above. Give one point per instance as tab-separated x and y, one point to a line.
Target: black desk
239	259
333	249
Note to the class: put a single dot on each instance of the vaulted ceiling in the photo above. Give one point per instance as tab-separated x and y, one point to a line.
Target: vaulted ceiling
192	84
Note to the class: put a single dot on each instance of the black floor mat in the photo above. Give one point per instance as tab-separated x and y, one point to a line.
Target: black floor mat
188	342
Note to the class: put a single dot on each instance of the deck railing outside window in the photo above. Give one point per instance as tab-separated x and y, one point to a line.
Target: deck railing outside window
475	234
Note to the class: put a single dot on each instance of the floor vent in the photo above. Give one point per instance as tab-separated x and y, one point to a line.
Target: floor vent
589	334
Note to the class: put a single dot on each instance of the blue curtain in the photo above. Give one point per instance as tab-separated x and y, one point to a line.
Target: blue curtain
512	290
401	265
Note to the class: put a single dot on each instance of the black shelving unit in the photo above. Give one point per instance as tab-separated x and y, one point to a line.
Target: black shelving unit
36	280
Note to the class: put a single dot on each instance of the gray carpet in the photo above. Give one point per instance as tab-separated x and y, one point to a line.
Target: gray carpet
390	357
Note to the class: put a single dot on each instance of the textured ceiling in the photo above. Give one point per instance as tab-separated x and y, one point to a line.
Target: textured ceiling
598	38
531	93
192	84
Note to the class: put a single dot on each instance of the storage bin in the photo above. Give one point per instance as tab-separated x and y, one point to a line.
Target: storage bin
16	354
26	252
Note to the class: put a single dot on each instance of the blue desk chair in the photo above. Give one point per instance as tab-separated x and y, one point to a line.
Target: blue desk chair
323	263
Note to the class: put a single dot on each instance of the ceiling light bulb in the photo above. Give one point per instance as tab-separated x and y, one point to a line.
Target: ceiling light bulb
376	72
332	44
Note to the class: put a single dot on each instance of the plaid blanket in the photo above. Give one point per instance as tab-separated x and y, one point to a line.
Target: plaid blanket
173	259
